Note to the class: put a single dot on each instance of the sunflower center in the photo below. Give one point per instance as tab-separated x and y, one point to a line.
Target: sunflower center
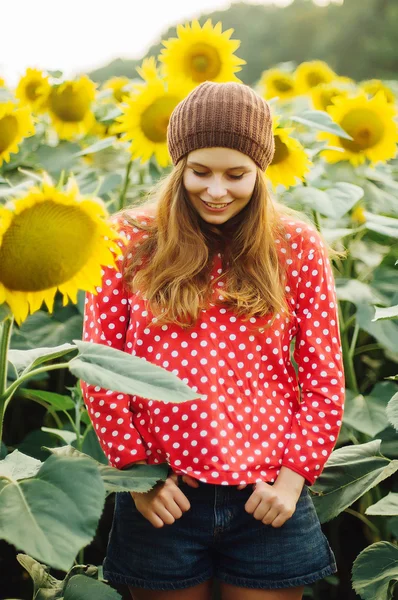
155	118
202	62
283	84
8	131
315	78
281	151
31	90
364	126
38	250
70	105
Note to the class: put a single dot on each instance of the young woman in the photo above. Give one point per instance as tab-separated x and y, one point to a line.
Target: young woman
216	281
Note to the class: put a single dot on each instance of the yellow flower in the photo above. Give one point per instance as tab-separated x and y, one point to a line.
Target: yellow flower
33	89
372	86
290	163
52	240
146	114
370	122
322	95
275	82
358	215
312	73
69	105
15	125
2	82
201	54
116	84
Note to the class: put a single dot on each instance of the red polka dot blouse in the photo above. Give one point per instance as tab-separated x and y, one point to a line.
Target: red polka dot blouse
254	414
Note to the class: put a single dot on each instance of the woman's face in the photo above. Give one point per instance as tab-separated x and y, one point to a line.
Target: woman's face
219	176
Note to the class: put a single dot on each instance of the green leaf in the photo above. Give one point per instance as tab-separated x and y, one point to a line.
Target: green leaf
333	202
55	513
121	372
355	291
67	436
98	146
80	587
391	312
349	473
19	466
26	360
392	411
375	572
387	226
44	330
368	413
318	119
138	478
385	332
387	506
57	401
55	159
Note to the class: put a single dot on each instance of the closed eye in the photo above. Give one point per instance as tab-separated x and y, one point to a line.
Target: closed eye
203	174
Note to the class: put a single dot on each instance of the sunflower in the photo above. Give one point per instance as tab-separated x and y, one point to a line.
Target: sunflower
312	73
370	122
275	82
33	89
52	240
201	54
146	114
2	82
322	95
117	85
69	105
290	162
372	86
15	124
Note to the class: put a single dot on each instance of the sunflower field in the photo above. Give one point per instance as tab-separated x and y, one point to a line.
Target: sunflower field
72	153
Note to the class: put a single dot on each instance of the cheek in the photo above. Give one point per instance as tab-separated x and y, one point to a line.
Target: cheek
244	190
191	184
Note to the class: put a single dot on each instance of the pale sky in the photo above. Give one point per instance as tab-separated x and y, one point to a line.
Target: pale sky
81	35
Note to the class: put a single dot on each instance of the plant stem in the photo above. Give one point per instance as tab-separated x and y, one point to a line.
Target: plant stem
315	216
353	339
347	356
126	182
362	518
5	337
7	394
367	348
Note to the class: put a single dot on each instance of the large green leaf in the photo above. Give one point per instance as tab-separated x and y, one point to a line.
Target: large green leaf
375	572
64	434
98	146
355	291
387	226
26	360
56	401
55	513
392	411
19	466
44	330
391	312
333	202
138	478
55	159
121	372
387	506
368	413
349	473
318	119
80	587
385	332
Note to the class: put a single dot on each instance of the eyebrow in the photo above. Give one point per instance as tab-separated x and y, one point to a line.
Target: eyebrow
204	166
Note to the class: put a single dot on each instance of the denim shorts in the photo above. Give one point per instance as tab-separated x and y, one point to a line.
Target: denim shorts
217	538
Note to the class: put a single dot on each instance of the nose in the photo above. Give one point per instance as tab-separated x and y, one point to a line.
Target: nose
216	190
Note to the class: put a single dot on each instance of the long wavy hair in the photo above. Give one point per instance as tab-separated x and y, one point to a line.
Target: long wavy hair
172	265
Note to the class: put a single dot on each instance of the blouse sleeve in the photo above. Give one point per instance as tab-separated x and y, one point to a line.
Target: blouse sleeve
318	354
106	319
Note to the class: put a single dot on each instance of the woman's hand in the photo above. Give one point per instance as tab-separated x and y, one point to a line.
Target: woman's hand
272	504
163	504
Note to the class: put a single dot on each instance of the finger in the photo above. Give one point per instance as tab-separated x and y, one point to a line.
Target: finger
270	516
190	481
242	486
164	514
279	521
252	503
181	500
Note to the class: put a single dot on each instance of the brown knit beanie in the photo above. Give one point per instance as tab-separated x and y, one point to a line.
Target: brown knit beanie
230	115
